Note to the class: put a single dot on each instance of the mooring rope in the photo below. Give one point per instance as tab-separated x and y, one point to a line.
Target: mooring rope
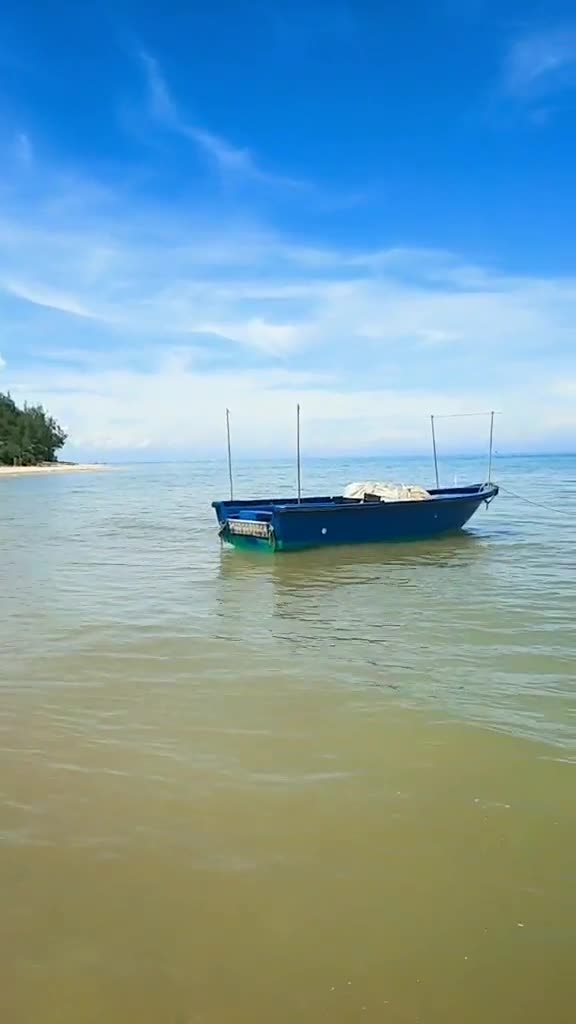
538	504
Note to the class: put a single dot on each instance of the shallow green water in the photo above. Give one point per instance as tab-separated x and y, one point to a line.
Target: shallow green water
333	785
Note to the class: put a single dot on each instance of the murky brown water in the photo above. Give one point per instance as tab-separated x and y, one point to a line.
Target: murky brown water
226	795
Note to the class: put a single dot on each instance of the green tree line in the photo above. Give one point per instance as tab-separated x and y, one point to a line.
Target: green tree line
29	435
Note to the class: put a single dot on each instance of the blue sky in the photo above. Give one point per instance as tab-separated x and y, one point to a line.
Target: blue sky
365	207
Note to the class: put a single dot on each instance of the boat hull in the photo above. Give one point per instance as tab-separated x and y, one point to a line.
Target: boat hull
290	525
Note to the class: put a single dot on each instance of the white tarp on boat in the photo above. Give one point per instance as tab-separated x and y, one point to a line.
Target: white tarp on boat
386	491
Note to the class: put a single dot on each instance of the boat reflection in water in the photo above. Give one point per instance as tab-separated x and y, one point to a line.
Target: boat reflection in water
378	611
327	567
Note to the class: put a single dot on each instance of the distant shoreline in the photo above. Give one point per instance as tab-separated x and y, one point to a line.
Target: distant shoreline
47	468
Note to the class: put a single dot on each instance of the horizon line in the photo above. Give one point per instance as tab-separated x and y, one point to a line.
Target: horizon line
335	456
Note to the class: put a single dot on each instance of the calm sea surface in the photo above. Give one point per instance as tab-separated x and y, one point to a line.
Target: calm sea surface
250	789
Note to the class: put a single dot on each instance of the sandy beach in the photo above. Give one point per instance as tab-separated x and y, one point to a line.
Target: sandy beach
46	468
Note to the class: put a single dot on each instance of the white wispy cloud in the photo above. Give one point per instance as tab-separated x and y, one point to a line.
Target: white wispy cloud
160	101
433	336
137	323
565	387
23	148
133	409
255	332
40	295
273	299
178	408
228	159
541	63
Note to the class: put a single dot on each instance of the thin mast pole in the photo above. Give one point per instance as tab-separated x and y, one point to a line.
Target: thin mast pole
229	455
491	447
298	466
435	451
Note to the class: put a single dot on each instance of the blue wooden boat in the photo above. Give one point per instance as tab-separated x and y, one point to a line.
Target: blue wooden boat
286	524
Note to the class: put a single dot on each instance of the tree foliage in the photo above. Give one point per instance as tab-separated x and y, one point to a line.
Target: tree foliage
28	436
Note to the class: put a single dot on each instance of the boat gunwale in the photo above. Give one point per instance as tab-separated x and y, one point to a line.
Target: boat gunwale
473	492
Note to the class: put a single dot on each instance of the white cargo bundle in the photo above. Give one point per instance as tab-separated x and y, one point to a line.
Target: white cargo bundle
386	491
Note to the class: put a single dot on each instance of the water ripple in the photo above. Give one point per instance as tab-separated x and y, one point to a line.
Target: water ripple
120	577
